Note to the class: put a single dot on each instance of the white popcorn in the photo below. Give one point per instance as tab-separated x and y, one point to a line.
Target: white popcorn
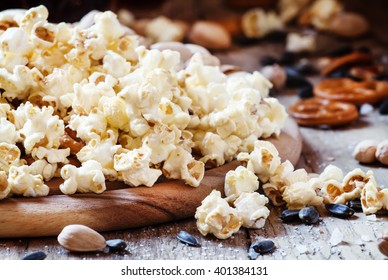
238	181
90	126
51	155
301	194
180	164
5	189
102	150
263	160
108	26
215	216
115	65
42	128
43	168
134	167
9	156
162	29
43	35
87	178
4	109
258	23
114	110
277	183
373	198
33	16
22	182
300	43
273	118
251	208
289	9
332	172
8	132
321	12
14	48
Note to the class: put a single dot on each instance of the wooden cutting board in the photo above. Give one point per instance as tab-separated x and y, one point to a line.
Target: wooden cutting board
122	208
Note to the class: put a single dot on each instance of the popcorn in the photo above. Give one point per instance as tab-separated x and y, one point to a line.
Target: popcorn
114	111
43	168
257	23
273	118
4	109
4	186
162	29
373	198
51	155
350	188
41	128
90	126
301	194
9	156
180	164
102	150
321	13
251	208
8	132
87	178
238	181
22	182
134	167
115	65
215	216
290	9
300	43
263	160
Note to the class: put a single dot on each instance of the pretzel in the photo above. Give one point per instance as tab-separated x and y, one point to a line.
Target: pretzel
317	112
343	89
346	60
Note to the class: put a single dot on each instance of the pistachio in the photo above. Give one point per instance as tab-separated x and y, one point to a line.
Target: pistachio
210	35
80	238
365	151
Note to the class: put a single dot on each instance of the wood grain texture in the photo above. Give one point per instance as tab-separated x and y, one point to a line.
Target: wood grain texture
122	208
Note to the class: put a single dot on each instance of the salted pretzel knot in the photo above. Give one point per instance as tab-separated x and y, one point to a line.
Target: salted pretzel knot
316	112
343	89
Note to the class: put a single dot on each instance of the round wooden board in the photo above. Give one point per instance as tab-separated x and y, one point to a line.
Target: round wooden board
122	208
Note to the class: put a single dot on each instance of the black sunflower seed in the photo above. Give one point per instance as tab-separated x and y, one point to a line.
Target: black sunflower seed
38	255
287	58
340	210
382	77
294	79
355	205
340	73
309	215
290	216
383	108
187	238
305	69
263	246
305	92
116	244
341	51
252	254
267	60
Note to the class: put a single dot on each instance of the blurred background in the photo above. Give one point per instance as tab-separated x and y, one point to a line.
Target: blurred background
190	10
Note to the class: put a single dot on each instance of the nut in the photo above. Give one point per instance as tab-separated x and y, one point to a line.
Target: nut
210	35
365	151
80	238
383	243
348	25
382	152
275	74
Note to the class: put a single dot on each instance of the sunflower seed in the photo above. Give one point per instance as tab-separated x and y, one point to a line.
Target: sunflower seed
263	246
305	92
116	244
355	205
340	210
38	255
290	216
309	215
383	109
187	238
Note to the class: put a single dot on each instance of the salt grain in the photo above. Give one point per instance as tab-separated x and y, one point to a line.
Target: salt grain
336	237
366	109
371	218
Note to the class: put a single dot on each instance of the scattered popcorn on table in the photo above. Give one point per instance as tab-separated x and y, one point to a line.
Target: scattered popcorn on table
238	181
9	156
4	186
258	23
251	208
215	216
373	198
300	43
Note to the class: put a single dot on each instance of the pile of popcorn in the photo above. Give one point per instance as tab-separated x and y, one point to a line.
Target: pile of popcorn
283	185
90	93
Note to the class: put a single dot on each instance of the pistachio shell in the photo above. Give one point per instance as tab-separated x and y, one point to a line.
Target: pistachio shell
80	238
348	25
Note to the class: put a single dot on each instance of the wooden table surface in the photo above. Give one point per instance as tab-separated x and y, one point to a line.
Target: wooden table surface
293	241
